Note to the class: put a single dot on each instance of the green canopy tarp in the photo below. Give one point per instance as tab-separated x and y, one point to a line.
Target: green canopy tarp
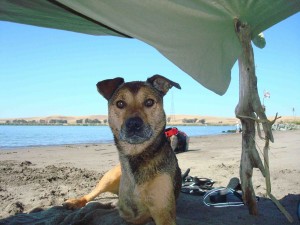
197	36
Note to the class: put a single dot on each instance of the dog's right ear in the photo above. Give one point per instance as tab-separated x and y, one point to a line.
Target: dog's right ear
107	87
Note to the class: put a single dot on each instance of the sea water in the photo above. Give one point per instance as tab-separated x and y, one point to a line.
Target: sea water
26	136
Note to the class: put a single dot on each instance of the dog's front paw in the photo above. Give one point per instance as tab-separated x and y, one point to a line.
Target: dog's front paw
75	203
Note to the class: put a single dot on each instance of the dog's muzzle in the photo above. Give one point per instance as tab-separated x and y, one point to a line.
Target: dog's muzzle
135	131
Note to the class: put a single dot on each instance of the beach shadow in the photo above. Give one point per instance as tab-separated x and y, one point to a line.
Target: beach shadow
190	210
92	213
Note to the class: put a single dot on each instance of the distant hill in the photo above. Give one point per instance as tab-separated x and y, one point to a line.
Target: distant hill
60	119
102	119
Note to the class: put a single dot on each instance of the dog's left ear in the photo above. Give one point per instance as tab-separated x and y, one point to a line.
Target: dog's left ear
107	87
162	84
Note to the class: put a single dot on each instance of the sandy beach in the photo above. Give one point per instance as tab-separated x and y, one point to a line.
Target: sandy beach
39	178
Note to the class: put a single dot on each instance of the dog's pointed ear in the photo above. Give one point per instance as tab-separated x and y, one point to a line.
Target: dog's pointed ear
162	84
107	87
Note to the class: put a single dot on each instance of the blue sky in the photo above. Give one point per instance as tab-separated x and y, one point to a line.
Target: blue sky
51	72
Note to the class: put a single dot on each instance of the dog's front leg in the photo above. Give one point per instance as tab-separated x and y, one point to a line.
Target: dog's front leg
159	197
110	182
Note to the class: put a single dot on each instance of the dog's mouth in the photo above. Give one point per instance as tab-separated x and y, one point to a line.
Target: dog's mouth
134	131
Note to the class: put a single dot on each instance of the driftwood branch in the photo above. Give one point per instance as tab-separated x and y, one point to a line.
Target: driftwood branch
259	121
268	181
250	111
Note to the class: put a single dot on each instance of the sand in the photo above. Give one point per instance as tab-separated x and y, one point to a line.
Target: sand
40	178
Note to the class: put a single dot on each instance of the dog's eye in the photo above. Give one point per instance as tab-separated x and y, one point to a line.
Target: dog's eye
121	104
149	102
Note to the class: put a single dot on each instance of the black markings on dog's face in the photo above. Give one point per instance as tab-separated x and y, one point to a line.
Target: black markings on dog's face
134	109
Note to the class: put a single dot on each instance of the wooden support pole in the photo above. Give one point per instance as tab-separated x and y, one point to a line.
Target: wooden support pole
249	103
249	110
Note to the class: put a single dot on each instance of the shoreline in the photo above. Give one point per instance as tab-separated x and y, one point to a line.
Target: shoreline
21	148
43	177
32	147
32	141
224	129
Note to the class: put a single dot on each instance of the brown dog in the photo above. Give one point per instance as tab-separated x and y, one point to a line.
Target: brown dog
148	179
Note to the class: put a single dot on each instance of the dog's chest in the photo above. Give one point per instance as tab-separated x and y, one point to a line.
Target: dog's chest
135	200
131	205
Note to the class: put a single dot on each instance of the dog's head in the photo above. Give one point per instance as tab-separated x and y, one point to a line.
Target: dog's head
136	112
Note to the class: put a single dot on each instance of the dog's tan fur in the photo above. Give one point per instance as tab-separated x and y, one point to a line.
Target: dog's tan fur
148	178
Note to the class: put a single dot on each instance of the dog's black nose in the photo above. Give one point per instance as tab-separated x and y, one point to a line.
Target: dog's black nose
134	124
